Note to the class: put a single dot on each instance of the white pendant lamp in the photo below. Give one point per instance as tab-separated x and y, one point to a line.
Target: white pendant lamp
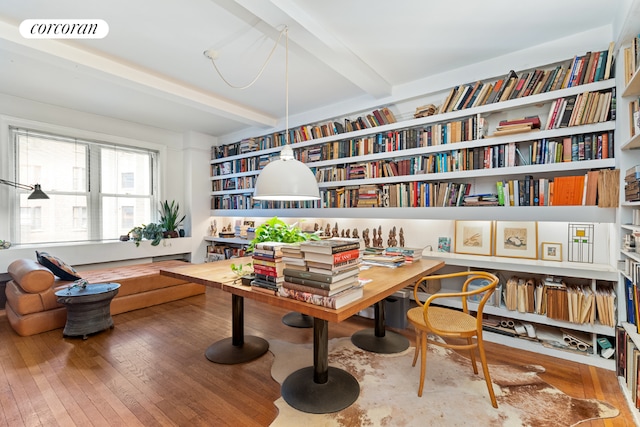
286	179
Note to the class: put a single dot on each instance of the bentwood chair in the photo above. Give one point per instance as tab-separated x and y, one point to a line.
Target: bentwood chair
460	330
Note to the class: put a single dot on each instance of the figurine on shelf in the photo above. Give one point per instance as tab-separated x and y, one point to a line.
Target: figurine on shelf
378	242
327	231
213	229
354	233
392	241
365	237
347	233
335	231
401	237
375	238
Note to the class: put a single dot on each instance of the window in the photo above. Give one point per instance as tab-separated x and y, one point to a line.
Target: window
127	180
97	191
127	217
80	217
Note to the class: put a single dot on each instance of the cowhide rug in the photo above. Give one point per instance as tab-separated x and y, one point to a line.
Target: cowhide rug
453	395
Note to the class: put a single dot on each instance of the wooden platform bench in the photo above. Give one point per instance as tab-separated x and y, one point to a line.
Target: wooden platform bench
32	306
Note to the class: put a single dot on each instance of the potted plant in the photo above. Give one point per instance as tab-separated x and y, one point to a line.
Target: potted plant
152	231
276	230
169	214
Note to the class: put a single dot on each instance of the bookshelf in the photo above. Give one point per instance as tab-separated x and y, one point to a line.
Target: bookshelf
241	167
592	275
628	156
224	247
232	177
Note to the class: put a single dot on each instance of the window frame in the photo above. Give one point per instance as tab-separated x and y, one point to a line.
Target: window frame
10	211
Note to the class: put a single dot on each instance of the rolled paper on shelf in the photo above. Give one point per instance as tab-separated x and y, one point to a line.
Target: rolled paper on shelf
520	329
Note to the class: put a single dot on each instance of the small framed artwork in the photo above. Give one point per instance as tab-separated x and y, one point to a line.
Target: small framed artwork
473	237
517	239
444	244
551	251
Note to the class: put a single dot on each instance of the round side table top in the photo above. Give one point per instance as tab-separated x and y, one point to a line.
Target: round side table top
90	289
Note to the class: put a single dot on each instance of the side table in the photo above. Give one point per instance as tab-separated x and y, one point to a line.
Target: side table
88	309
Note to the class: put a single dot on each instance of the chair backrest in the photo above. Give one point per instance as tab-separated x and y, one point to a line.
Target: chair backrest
482	285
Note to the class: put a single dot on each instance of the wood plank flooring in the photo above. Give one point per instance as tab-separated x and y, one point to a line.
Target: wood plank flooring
151	370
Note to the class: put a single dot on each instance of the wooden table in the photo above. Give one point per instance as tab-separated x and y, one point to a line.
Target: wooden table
88	309
318	388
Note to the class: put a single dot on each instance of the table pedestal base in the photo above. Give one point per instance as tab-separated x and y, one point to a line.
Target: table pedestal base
297	320
301	392
378	340
226	353
390	342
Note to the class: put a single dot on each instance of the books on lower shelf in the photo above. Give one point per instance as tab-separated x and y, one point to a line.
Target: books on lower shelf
559	300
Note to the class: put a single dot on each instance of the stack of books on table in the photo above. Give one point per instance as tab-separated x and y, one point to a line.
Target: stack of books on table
331	275
383	260
409	254
292	257
268	267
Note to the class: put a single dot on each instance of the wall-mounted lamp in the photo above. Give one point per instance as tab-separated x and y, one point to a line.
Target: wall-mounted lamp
37	191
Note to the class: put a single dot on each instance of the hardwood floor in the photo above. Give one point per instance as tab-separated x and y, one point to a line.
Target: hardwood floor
151	370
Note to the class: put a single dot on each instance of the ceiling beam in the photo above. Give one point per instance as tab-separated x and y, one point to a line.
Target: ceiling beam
318	43
140	79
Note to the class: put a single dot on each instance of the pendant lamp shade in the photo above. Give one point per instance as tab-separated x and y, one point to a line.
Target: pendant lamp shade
286	179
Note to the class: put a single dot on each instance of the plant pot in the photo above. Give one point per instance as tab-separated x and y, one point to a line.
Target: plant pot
171	234
247	278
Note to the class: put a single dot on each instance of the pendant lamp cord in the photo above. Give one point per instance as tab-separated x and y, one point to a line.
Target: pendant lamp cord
286	83
213	61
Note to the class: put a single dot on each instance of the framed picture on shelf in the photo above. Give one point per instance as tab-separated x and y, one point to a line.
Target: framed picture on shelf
516	239
551	251
473	237
444	244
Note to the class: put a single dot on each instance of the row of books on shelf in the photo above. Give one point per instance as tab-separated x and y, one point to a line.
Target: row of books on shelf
597	107
634	117
592	146
628	363
584	108
378	117
588	68
588	146
245	164
632	184
467	129
594	188
556	299
320	272
631	56
235	183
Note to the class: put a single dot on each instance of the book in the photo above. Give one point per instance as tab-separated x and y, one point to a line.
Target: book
336	258
316	290
328	277
336	301
330	246
269	271
324	268
322	284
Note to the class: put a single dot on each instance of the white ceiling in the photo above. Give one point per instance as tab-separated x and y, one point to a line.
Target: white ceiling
150	68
